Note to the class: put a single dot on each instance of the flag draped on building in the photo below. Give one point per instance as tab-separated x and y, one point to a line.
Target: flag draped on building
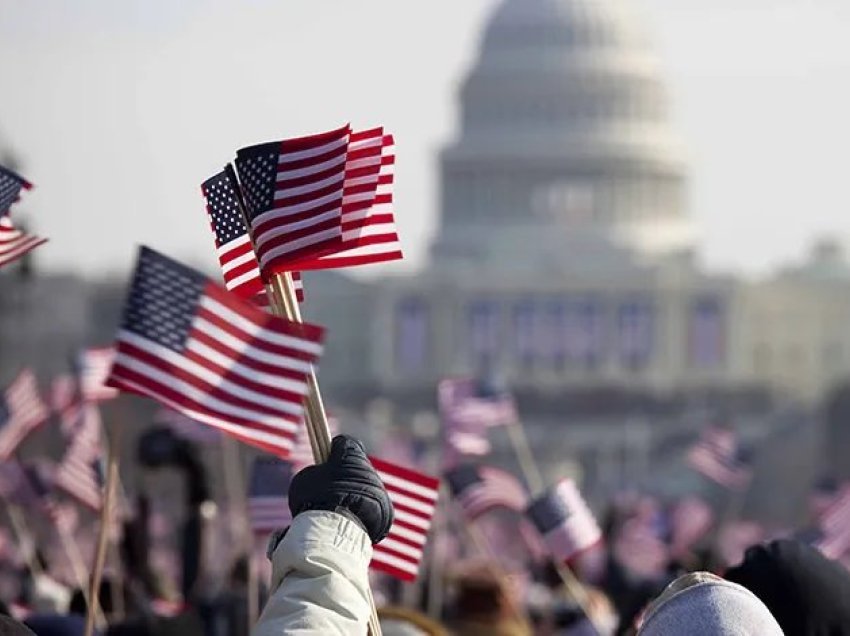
719	456
21	411
414	496
268	494
14	243
564	520
478	489
11	185
80	473
189	344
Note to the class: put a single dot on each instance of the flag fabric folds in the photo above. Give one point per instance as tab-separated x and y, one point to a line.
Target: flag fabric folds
13	243
80	473
293	193
720	457
478	489
564	520
467	413
192	346
93	368
414	496
11	185
268	494
21	411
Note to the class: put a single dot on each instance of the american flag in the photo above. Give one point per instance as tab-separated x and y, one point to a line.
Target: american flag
478	489
39	482
414	496
639	549
14	243
11	185
720	457
66	402
194	347
834	526
93	368
186	428
369	233
21	412
80	473
293	191
268	494
564	520
467	412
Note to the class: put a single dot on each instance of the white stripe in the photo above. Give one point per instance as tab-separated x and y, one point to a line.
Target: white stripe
306	171
292	246
403	548
394	561
412	519
285	228
409	486
295	155
237	262
282	441
228	247
312	186
365	250
419	538
259	333
197	395
404	500
377	229
247	277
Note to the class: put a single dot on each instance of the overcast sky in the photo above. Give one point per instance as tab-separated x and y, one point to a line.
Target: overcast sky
119	110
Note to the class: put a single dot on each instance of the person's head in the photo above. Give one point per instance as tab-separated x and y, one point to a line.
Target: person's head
808	593
701	604
481	595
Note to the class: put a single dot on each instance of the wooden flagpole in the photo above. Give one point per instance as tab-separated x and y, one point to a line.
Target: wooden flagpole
103	532
284	303
534	481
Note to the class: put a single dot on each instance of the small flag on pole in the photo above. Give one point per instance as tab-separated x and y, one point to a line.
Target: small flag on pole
268	495
414	496
233	244
293	191
564	520
463	403
13	243
21	412
11	185
80	473
93	367
192	346
479	489
721	458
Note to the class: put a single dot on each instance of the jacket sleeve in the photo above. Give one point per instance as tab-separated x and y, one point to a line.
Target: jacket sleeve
320	578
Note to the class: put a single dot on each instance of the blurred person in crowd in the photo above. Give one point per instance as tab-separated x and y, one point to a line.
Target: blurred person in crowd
485	604
702	604
808	593
320	582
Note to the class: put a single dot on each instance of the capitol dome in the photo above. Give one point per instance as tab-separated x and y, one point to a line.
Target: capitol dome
565	154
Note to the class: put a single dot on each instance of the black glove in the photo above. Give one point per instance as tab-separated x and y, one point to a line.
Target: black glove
346	483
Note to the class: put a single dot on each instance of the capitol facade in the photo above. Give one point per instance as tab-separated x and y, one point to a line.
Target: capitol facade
565	255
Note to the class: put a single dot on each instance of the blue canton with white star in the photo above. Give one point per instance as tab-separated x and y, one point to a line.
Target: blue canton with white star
163	300
549	512
257	168
223	207
10	187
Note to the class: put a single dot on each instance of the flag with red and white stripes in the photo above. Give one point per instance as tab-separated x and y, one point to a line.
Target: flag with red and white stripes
21	411
268	494
13	243
293	193
414	496
369	233
66	402
834	526
467	412
11	185
93	367
478	489
719	456
194	347
565	521
80	473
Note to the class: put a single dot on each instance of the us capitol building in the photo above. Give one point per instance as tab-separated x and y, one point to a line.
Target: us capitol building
565	256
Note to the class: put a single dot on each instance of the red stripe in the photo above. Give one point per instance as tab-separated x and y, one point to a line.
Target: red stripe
335	172
389	569
295	258
294	235
406	473
252	364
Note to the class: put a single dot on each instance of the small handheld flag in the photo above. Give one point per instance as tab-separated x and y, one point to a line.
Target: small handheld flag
13	243
564	520
11	185
21	412
479	489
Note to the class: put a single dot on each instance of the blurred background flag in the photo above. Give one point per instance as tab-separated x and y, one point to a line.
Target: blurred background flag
564	520
834	539
93	367
478	489
268	494
66	402
21	411
293	190
80	473
187	343
414	496
11	185
719	456
14	243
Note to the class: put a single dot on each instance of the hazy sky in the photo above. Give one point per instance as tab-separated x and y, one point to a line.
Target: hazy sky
120	109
